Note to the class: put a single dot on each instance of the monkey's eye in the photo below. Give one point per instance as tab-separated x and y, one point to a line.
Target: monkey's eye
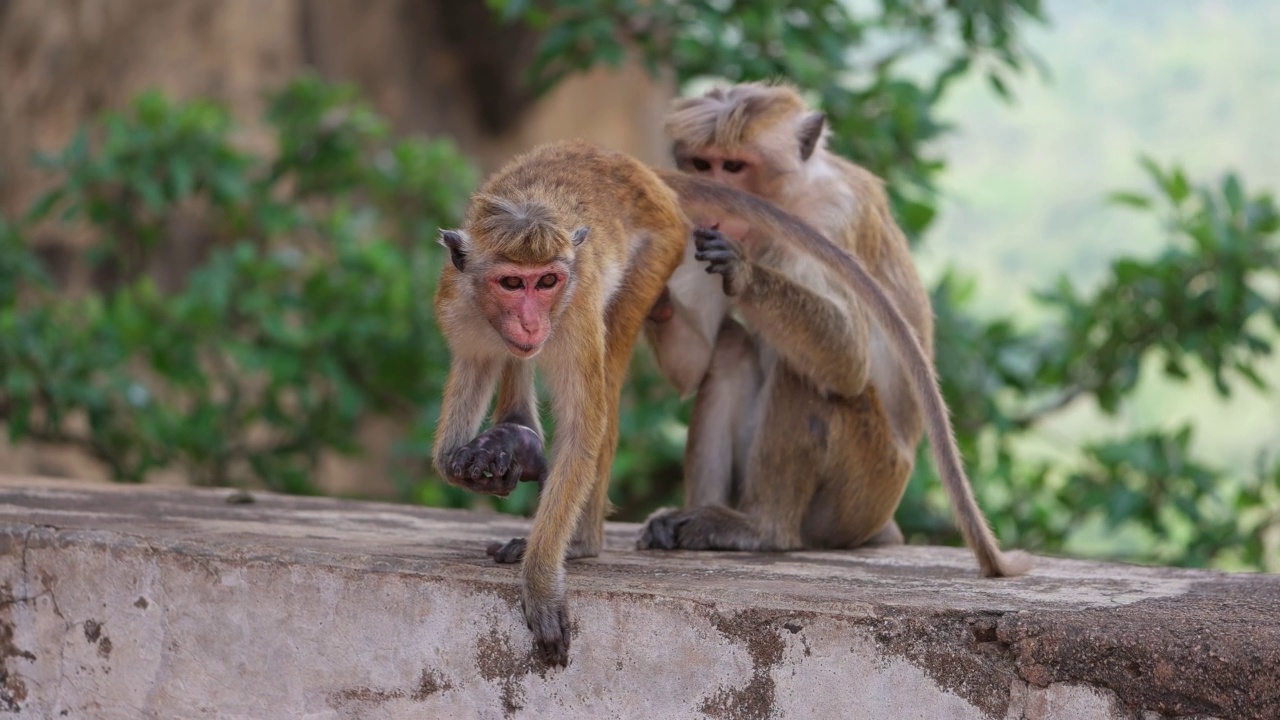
547	282
511	282
733	166
699	164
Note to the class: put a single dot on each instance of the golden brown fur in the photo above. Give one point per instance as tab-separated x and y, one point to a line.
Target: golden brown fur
531	214
526	214
808	412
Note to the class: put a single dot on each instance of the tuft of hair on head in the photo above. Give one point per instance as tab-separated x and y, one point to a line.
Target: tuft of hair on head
522	231
732	117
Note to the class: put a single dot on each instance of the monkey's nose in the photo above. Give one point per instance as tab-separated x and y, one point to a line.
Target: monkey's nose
531	333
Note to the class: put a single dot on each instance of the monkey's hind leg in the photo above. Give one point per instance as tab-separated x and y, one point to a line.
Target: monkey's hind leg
780	482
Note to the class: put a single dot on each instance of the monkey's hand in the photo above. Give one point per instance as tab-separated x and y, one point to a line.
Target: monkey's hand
499	458
548	619
724	256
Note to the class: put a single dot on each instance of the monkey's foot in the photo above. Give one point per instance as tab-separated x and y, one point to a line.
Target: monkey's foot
508	553
549	622
710	527
500	457
512	551
661	530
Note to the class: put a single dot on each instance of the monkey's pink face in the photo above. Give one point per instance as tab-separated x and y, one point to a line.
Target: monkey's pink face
519	301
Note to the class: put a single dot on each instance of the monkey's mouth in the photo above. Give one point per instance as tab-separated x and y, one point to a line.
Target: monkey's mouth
522	351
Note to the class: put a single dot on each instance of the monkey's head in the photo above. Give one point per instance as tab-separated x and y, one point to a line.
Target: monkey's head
515	263
750	136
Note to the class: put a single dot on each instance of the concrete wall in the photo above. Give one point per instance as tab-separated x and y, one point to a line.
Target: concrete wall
127	602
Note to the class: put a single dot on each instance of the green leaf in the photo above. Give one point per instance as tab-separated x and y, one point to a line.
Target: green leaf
1178	187
1233	193
998	85
1131	199
40	209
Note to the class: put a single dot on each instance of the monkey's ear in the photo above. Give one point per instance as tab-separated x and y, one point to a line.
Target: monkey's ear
458	244
811	133
579	235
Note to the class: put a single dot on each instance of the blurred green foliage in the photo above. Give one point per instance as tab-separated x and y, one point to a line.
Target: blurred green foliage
861	61
1206	305
309	308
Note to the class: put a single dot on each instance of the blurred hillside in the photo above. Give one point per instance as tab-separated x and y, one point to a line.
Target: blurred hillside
1024	193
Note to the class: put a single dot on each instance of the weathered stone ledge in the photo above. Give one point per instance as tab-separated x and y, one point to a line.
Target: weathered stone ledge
130	602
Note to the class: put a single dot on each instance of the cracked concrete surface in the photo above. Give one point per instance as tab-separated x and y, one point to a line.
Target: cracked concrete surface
143	602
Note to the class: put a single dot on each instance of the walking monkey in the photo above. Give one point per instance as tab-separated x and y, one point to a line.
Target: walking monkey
561	255
810	408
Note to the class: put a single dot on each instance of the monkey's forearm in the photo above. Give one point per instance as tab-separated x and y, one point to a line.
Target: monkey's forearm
511	450
466	396
517	401
564	495
814	334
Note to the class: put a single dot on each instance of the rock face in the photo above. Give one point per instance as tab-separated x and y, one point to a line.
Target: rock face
127	602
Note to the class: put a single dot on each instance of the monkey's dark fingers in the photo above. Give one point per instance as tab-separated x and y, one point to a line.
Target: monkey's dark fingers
714	240
513	473
717	256
703	234
484	464
714	247
480	477
660	530
550	626
721	267
522	447
726	271
460	462
508	553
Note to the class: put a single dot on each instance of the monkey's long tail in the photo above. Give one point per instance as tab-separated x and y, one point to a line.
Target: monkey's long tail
760	213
